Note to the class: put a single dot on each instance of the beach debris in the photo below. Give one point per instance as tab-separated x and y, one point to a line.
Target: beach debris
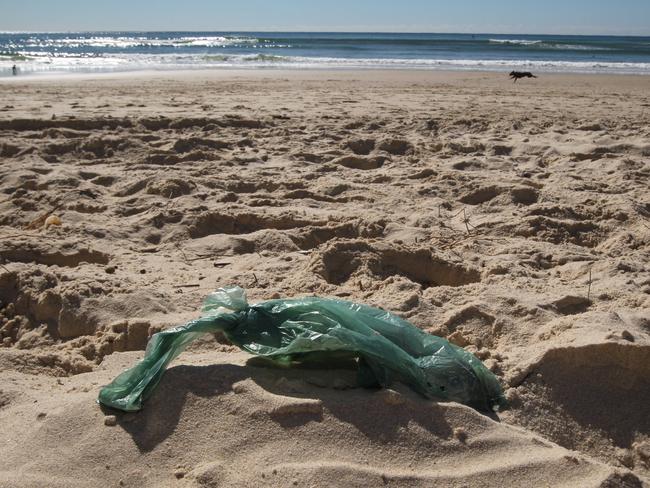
460	434
392	397
41	220
316	330
52	220
110	420
626	335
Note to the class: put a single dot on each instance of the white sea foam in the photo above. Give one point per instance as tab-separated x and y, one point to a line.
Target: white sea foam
123	42
67	63
550	45
576	47
522	42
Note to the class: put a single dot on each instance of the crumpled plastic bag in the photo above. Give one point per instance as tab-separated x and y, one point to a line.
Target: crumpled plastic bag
386	347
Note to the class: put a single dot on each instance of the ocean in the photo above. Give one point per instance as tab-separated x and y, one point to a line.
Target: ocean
38	53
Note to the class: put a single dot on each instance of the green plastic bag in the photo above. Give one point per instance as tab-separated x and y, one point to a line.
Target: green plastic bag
387	348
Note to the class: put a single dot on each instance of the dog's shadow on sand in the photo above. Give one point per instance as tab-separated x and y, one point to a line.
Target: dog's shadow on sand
370	411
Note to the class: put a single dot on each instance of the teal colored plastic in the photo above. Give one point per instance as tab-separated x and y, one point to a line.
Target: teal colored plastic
387	347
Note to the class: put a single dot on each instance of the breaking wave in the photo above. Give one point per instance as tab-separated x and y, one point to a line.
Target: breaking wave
248	61
521	42
549	45
123	42
132	51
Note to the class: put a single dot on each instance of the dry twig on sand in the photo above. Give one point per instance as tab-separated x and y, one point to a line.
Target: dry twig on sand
466	222
177	245
453	240
39	221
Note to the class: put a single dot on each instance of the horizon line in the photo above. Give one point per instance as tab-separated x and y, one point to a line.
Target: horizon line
112	31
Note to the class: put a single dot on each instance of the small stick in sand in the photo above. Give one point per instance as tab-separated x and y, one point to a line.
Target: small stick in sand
589	285
39	221
177	245
467	223
200	257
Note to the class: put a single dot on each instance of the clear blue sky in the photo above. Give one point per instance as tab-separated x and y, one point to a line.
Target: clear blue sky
479	16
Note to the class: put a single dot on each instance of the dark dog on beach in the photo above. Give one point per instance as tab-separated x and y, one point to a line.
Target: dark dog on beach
515	75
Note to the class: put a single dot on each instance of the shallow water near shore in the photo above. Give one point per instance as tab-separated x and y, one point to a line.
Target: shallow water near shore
132	51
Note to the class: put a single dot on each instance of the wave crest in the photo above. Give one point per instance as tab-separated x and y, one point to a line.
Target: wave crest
549	45
258	60
124	42
521	42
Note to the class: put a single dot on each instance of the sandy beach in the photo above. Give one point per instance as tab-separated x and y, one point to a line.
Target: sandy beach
511	218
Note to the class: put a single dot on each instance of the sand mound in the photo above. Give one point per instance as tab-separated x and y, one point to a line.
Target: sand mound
251	426
591	399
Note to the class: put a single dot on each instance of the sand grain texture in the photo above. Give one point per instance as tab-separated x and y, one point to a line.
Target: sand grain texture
512	219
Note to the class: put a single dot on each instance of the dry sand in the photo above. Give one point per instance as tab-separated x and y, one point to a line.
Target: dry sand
513	219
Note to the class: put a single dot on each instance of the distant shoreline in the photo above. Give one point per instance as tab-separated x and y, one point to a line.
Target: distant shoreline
144	73
396	75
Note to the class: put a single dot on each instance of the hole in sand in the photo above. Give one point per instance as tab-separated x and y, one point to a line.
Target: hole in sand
344	260
361	162
243	223
570	305
66	255
481	195
592	398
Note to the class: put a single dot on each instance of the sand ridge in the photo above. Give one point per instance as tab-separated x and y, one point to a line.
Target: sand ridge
513	220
